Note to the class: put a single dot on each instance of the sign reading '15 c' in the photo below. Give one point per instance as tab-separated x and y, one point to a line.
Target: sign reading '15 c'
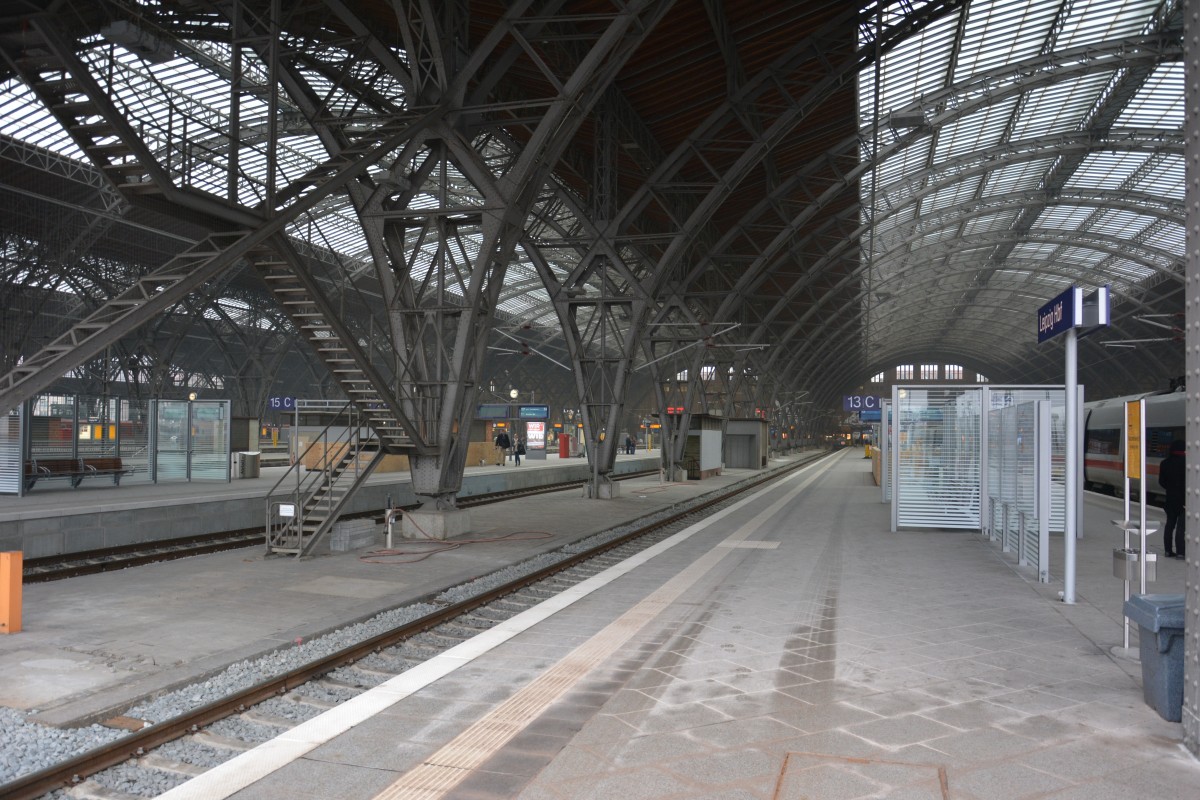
860	402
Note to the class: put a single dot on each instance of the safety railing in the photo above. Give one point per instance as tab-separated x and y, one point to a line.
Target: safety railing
310	496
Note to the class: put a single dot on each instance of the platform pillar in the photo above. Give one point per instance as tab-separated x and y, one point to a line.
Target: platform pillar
436	524
11	572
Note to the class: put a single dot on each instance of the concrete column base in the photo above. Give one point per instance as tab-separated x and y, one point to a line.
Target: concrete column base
676	474
607	490
438	525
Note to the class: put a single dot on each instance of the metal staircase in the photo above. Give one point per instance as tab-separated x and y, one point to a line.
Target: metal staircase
372	424
305	503
339	351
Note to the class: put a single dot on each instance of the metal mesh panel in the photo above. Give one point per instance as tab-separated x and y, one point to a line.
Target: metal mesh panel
1011	396
1025	478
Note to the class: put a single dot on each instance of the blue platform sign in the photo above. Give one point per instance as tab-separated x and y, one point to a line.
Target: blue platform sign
860	402
1072	309
281	403
1060	314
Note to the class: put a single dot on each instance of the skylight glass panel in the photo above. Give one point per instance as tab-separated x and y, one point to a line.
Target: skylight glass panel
1127	269
23	117
1059	107
1163	177
951	195
1000	32
989	223
1106	170
1018	176
935	235
1159	103
1168	238
901	165
1120	223
1103	20
1064	217
1035	251
914	68
975	132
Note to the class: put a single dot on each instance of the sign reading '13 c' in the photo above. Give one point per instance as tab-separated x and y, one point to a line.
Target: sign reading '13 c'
860	402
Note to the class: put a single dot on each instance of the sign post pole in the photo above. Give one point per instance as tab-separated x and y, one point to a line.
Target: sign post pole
1064	314
1072	468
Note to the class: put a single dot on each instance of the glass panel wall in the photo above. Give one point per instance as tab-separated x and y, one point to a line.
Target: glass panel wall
210	440
10	453
937	479
170	441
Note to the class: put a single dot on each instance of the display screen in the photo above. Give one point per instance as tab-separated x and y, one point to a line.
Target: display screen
533	412
491	411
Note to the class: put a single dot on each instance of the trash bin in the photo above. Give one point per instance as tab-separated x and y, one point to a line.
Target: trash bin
248	464
1160	644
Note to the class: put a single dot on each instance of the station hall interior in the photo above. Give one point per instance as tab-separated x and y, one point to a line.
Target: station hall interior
327	241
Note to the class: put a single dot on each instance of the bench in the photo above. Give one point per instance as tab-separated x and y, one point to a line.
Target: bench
74	469
47	468
105	466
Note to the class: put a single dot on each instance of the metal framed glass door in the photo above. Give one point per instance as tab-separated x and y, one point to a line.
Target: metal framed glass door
190	440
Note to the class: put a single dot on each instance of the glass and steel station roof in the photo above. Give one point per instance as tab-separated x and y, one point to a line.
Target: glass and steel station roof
1002	152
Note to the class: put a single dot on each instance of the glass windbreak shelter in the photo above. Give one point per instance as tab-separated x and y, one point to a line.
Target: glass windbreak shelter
938	455
126	441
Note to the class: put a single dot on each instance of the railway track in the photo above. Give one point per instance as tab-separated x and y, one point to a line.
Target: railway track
90	562
153	758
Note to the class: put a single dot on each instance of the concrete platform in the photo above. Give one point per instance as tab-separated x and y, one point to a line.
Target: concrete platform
56	519
789	648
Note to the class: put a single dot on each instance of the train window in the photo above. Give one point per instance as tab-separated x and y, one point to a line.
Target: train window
1104	442
1158	441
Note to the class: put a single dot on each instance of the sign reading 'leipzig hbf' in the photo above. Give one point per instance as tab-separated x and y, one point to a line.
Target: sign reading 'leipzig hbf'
1058	316
1072	309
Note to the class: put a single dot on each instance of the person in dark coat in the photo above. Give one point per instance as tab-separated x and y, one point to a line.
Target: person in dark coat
519	451
1172	477
502	444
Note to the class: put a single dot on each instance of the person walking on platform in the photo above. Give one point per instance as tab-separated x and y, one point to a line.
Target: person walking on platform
519	451
1172	477
502	445
628	445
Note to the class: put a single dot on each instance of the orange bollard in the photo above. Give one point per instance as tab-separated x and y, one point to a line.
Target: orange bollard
10	591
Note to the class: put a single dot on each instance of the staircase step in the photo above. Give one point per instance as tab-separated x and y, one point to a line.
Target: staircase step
77	107
109	149
126	169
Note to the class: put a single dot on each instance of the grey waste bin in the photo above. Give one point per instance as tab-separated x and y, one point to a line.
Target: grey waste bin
1160	644
248	464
